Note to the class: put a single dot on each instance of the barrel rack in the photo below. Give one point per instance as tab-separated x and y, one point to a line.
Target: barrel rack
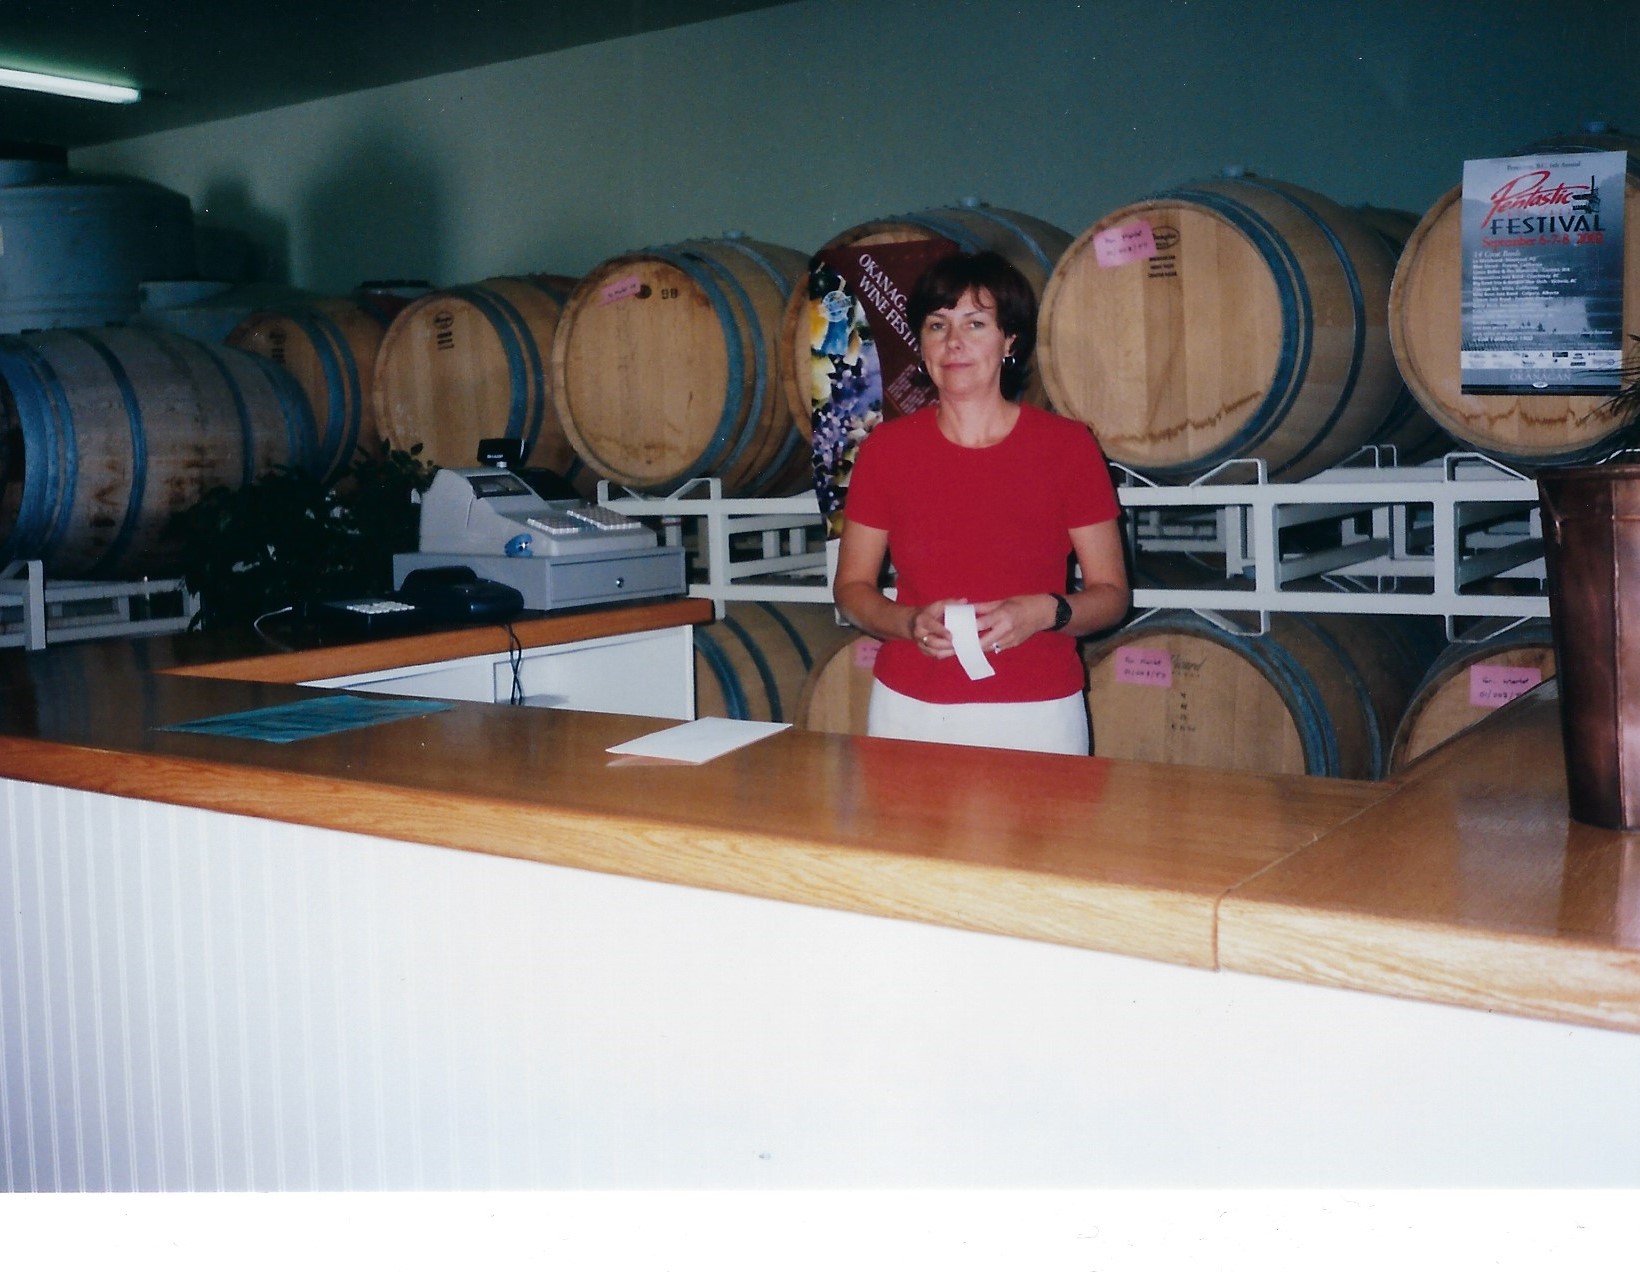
1458	538
758	549
35	610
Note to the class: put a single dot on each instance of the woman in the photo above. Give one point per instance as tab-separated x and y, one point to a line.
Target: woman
980	500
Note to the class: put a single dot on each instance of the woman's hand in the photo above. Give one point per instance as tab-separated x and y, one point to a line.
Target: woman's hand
1100	603
929	631
1008	623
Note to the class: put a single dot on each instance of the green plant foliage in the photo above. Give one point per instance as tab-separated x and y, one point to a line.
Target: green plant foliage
288	537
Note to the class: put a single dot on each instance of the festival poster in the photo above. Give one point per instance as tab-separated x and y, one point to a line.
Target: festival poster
862	354
1543	273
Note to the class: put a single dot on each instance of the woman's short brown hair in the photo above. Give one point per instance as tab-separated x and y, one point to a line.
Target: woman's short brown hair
942	285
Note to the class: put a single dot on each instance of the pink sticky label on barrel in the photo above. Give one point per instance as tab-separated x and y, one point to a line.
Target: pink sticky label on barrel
1494	686
621	289
1133	241
1136	665
865	653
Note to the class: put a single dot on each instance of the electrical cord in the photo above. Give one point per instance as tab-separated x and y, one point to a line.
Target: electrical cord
515	656
272	640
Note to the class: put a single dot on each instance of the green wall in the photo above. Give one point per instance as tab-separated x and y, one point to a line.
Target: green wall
793	123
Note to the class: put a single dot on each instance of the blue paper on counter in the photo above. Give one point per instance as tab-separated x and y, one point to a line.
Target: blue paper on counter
310	718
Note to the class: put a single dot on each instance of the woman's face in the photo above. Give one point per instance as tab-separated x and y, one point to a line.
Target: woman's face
963	347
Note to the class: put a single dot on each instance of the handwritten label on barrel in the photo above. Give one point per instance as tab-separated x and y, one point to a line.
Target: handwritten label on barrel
1136	665
1494	686
621	289
1121	244
865	653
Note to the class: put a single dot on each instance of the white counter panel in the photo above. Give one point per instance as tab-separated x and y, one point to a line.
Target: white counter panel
193	1000
649	673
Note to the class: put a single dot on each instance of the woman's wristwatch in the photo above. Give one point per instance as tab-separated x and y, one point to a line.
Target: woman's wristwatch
1061	613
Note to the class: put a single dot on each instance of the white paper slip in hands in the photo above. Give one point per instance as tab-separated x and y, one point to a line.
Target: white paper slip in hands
698	740
964	629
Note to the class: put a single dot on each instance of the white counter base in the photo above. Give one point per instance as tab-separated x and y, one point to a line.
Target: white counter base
195	1000
648	673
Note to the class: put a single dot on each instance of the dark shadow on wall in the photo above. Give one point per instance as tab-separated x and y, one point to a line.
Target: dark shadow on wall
378	210
236	241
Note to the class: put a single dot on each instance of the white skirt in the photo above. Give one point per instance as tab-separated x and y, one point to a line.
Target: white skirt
1058	726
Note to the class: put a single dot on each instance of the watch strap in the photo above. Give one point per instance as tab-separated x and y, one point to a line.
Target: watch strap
1062	611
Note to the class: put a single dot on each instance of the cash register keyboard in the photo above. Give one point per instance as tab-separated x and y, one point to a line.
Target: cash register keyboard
601	518
556	523
580	521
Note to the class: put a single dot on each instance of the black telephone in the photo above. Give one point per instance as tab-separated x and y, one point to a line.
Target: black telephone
429	597
455	593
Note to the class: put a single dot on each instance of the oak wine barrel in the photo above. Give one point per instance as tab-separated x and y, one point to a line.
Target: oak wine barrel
753	662
329	345
1230	319
665	368
462	364
106	432
836	698
1472	678
1410	429
1318	695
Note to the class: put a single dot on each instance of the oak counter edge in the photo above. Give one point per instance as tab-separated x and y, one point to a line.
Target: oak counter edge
1171	925
293	666
1561	980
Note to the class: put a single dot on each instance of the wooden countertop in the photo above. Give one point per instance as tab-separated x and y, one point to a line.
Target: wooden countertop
242	657
1471	885
1464	883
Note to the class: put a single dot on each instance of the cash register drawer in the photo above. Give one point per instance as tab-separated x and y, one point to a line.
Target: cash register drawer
549	583
647	572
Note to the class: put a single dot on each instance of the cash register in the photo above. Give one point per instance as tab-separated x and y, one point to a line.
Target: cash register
557	552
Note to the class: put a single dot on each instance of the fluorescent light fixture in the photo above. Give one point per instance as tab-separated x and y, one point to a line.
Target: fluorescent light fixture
65	86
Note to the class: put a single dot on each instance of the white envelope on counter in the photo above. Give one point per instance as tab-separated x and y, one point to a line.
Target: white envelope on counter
698	740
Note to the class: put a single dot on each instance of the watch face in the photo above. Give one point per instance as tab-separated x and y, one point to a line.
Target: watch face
1062	612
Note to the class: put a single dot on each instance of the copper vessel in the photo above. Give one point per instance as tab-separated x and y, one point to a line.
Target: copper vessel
1591	538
